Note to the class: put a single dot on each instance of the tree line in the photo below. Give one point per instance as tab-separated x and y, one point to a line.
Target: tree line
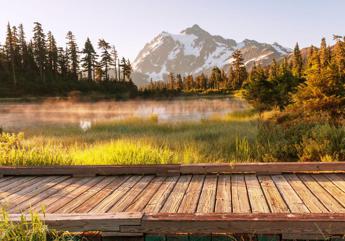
313	81
304	86
39	66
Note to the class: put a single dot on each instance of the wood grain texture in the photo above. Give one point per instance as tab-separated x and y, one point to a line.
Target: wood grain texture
257	198
223	198
207	168
240	201
192	196
159	198
330	203
273	197
291	198
175	198
207	198
115	196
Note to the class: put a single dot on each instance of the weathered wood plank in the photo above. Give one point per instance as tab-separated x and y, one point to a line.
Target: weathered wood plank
240	201
175	198
267	168
114	197
159	198
223	198
128	198
24	194
308	198
338	180
331	188
42	195
75	203
282	167
102	194
240	223
207	199
191	198
87	222
257	198
91	170
52	208
4	179
16	185
75	183
291	198
141	201
330	203
274	199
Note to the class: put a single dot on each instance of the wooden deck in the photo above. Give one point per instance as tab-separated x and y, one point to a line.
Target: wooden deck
266	198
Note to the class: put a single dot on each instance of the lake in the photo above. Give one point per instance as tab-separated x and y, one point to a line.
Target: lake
19	115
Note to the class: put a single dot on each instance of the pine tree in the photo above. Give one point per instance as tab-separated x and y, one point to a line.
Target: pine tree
106	58
323	90
10	48
171	81
339	55
297	62
89	59
325	56
52	55
273	70
128	70
179	82
23	50
72	51
240	72
258	90
114	62
39	49
215	77
63	63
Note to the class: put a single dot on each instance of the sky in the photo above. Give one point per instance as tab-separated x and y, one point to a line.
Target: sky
130	24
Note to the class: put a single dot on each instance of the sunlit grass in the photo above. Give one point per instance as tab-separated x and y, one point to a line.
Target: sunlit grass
136	141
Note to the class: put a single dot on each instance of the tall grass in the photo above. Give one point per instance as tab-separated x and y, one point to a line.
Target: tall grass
132	141
32	229
237	137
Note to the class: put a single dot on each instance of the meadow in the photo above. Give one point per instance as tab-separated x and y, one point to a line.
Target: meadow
237	137
133	141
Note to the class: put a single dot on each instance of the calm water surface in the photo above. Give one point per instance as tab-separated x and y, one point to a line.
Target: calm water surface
18	115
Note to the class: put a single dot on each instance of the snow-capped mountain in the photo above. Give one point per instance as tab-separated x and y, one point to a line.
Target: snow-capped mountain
194	51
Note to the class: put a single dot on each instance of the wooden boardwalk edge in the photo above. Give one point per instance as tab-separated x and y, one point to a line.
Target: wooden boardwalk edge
168	170
136	223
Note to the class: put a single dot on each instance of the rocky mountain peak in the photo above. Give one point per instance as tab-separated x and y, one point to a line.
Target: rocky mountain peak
194	51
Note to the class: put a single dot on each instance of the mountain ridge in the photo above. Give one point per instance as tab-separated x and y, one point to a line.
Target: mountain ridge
194	50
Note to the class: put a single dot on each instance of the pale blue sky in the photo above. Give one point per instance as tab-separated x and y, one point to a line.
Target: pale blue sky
129	24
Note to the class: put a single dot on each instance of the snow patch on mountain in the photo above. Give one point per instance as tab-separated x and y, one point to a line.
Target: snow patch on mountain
194	51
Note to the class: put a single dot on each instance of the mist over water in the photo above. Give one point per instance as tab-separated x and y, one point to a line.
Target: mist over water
21	115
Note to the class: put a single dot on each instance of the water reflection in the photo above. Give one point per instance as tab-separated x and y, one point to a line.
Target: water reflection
14	115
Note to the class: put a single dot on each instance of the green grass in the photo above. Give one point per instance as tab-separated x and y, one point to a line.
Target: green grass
33	229
237	137
135	141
